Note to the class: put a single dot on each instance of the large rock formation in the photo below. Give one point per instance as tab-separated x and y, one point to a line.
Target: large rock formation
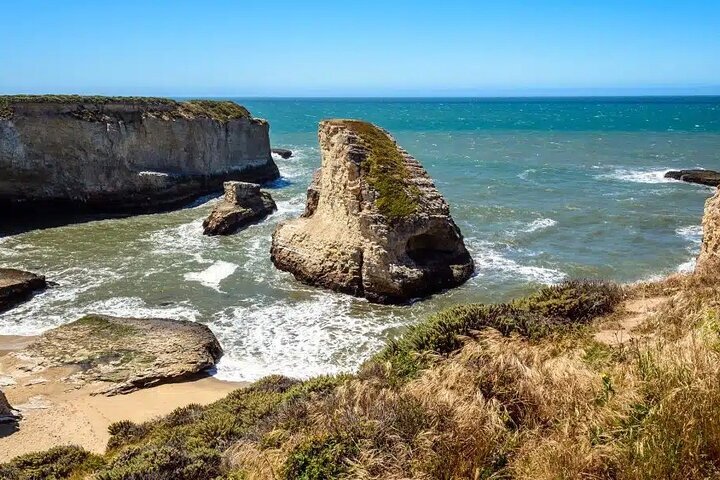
121	355
708	262
703	177
127	155
243	204
374	225
17	286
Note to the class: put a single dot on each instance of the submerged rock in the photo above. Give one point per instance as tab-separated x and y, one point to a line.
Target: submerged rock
124	354
703	177
374	225
243	204
708	262
17	286
7	413
283	153
61	154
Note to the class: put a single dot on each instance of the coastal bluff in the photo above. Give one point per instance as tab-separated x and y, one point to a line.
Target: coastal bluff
374	225
67	153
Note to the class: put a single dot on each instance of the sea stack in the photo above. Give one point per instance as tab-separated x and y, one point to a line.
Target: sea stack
73	154
708	262
244	203
374	225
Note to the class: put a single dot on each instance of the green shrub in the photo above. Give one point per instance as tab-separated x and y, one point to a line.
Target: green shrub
551	309
54	464
318	458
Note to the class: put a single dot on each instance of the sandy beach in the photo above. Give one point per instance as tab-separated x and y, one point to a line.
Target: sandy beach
58	413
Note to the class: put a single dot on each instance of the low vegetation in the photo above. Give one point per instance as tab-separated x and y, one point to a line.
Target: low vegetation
221	110
386	171
519	390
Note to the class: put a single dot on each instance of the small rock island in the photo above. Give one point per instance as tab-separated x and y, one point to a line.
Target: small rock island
69	153
374	225
702	177
244	203
17	286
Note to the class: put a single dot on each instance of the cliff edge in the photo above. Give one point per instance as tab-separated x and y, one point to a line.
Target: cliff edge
124	154
374	225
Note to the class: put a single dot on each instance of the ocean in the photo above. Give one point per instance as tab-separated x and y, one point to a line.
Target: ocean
543	190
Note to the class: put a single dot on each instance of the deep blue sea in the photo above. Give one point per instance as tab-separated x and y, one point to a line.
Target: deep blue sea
542	189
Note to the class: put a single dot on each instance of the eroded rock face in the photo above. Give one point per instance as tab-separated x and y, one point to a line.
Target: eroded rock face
374	224
243	204
7	413
17	286
121	355
703	177
708	262
115	155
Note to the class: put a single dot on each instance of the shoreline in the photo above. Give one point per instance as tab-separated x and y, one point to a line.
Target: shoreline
58	413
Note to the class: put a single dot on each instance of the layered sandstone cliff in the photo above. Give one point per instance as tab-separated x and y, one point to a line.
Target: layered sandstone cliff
105	154
708	262
374	224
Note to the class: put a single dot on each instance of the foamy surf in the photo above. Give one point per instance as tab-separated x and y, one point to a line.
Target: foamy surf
539	224
637	176
213	275
298	338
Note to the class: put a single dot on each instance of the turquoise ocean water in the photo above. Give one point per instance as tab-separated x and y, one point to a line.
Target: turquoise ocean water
542	189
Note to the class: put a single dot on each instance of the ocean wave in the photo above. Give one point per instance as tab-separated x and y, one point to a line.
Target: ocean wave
185	239
58	304
525	174
298	338
691	233
539	224
213	275
489	262
637	176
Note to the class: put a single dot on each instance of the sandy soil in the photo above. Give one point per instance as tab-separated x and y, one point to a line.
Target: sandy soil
59	413
631	314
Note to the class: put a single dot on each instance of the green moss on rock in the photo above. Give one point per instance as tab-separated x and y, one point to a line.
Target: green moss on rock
385	170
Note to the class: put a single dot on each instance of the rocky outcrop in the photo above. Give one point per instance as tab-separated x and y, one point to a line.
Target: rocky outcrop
7	413
703	177
243	204
121	355
374	225
708	262
283	153
124	155
17	286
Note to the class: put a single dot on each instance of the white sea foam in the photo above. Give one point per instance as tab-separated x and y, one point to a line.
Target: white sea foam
489	261
539	224
213	275
185	239
687	267
691	233
298	338
524	175
637	175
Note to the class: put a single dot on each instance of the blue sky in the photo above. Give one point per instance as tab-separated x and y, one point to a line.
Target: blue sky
360	48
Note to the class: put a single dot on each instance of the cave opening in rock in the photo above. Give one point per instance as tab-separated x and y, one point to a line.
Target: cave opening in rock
428	248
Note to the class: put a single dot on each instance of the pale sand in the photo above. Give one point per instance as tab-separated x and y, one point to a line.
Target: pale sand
57	413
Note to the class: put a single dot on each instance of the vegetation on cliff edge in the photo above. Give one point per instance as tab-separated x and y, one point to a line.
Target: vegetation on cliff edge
385	170
221	110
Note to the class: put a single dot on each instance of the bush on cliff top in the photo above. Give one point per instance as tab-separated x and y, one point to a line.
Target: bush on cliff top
386	171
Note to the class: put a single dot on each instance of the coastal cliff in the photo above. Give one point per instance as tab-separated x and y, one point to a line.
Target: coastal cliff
708	263
374	224
124	154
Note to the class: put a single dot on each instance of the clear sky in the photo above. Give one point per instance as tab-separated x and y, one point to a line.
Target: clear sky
360	48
